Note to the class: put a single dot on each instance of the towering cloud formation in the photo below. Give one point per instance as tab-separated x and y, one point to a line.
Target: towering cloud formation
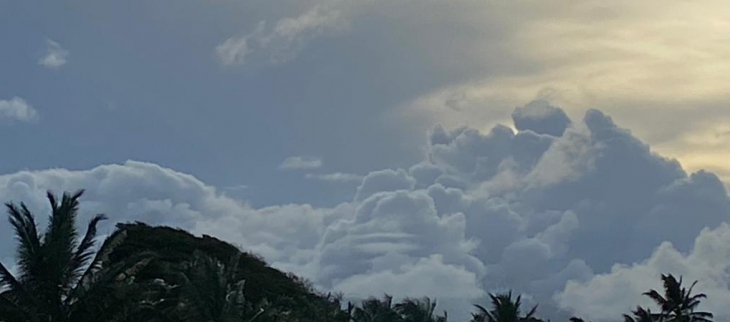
563	212
707	262
541	118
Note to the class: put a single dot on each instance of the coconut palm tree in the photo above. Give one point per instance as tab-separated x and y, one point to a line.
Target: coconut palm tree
640	315
60	277
419	310
504	309
678	304
375	310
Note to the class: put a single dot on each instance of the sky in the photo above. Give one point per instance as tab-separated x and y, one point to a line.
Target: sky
571	151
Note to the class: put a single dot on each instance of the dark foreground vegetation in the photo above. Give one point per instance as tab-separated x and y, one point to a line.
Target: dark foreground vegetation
143	273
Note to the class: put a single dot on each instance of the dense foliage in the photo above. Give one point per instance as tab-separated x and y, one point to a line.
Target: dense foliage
143	273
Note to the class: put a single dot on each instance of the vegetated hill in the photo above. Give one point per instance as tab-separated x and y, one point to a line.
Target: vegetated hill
174	246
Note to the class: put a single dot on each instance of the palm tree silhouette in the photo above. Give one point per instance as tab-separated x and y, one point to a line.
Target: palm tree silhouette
375	310
61	278
419	310
504	309
640	315
678	304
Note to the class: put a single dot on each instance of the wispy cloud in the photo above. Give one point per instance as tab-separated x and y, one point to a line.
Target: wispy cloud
282	42
301	163
236	187
17	109
337	177
55	56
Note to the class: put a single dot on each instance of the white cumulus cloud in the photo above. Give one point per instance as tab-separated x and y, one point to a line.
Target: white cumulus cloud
17	109
604	296
55	55
567	212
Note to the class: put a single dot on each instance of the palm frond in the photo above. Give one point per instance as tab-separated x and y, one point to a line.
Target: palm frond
29	245
532	312
672	288
9	281
656	297
84	252
480	316
59	243
108	290
701	319
52	200
481	308
696	297
704	314
101	257
418	310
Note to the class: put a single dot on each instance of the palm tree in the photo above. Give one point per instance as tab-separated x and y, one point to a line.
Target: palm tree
504	309
375	310
60	278
419	310
678	304
640	315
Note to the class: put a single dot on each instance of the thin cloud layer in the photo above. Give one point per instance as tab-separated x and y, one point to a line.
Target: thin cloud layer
551	214
301	163
283	41
336	177
55	55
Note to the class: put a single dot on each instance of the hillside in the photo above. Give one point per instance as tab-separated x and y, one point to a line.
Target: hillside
174	246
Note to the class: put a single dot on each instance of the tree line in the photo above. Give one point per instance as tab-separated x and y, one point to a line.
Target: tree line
142	273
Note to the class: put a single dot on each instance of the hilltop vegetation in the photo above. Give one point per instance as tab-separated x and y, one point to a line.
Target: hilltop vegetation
144	273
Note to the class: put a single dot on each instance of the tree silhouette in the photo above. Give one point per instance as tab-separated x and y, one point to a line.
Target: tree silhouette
160	274
205	289
419	310
678	304
504	309
375	310
640	315
60	278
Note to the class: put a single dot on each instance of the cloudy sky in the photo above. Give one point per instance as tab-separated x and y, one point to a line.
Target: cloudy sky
571	151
